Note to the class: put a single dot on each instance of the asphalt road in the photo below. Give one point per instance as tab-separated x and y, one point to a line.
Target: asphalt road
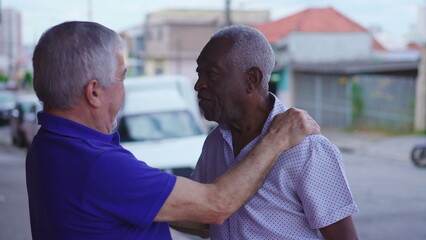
391	196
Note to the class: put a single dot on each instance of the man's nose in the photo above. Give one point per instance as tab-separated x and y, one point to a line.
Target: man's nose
200	84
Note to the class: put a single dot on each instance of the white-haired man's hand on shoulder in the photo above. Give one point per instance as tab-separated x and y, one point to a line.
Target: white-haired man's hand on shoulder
289	128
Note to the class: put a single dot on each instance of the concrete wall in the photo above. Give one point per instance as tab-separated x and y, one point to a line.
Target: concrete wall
329	47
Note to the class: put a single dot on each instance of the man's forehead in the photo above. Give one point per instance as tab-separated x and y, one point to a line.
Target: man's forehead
220	44
214	50
207	64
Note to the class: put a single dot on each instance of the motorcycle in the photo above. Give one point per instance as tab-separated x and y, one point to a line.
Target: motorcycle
418	155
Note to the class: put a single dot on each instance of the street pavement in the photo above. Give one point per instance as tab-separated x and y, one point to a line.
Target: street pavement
389	190
373	144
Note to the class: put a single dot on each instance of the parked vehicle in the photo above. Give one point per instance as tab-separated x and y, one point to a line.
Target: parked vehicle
160	123
23	120
7	102
418	155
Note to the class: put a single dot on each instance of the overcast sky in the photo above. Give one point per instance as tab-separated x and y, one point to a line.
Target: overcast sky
394	16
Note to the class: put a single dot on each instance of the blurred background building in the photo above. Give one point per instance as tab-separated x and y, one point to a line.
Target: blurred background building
134	40
169	41
417	32
11	48
346	75
337	70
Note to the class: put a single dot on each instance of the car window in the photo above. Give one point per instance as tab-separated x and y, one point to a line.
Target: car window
25	106
7	100
157	126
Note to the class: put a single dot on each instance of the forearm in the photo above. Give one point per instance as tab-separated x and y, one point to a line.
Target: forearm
240	183
341	230
213	203
193	228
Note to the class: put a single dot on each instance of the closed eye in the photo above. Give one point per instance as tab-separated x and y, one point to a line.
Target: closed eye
211	74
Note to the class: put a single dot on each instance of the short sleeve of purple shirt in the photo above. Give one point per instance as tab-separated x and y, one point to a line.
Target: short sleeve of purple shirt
125	196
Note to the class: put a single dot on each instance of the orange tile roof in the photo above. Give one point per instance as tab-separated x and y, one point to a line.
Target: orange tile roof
414	46
312	20
377	45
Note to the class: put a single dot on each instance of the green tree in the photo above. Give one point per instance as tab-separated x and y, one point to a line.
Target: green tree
28	79
3	78
357	101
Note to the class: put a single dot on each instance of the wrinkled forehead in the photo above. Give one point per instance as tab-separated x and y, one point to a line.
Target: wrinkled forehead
215	49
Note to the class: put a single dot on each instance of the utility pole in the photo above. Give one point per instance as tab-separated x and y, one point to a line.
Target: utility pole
89	10
178	57
420	104
11	53
228	13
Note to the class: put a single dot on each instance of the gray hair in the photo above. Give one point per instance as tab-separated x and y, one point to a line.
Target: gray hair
250	49
68	56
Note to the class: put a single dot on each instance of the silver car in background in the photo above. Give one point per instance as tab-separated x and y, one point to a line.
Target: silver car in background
160	123
7	102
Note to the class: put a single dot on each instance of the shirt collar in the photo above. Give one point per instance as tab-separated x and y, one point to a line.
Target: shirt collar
278	108
66	127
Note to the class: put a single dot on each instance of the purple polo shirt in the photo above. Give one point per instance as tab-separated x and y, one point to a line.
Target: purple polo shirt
83	185
305	190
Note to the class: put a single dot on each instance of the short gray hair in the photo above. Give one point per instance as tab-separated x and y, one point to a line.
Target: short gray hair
68	56
250	49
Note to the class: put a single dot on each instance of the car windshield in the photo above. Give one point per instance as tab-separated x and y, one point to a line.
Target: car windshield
6	98
157	126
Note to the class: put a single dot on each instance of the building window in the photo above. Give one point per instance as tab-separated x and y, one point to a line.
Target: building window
160	35
159	67
159	71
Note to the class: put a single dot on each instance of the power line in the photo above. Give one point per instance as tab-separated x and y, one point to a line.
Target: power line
228	12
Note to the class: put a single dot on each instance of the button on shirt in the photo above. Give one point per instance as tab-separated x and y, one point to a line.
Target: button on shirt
306	189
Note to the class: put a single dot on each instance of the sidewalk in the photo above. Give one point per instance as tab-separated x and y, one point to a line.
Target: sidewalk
374	144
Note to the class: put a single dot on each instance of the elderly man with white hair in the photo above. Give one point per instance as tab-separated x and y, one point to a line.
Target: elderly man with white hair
306	194
83	185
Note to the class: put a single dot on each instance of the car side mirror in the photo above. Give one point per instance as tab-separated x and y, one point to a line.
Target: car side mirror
15	113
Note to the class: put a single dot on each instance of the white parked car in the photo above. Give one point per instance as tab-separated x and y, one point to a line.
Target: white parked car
160	123
23	120
7	102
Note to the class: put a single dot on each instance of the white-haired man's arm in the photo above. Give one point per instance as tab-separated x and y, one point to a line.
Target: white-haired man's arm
213	203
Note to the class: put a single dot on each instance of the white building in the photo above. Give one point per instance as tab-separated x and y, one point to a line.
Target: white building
10	41
174	38
134	46
421	24
315	36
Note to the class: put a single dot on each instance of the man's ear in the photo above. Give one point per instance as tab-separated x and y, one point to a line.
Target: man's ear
92	93
254	79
